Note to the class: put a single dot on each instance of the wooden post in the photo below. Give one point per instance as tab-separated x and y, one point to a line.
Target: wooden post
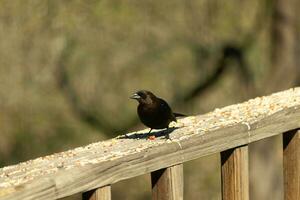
235	174
167	184
291	165
103	193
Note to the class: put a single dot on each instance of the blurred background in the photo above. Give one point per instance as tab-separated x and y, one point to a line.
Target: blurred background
67	69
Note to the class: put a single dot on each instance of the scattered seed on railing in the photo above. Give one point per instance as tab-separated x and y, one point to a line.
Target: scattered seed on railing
244	113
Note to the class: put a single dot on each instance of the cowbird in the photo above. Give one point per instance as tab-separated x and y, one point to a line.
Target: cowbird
153	111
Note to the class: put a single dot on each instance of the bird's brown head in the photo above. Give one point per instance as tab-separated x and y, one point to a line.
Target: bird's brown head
143	97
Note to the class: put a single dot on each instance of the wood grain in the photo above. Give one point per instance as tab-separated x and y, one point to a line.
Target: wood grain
106	162
291	165
235	174
103	193
167	184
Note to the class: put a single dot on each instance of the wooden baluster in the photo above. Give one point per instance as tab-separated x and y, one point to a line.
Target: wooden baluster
291	165
235	174
167	184
103	193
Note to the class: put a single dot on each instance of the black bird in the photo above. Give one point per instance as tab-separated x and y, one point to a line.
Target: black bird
154	112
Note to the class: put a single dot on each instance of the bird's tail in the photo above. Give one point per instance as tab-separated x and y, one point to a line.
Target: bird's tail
179	115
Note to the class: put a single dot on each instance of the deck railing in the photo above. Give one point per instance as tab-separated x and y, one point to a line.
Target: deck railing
92	169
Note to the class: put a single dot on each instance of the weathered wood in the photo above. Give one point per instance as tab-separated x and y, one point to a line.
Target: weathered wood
235	174
104	163
291	165
103	193
167	183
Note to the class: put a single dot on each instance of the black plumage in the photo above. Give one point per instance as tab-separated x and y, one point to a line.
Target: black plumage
153	111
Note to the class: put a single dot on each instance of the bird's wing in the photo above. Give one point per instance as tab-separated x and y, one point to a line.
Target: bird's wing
166	110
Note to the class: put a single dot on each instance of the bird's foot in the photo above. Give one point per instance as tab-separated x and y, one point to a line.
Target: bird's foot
167	136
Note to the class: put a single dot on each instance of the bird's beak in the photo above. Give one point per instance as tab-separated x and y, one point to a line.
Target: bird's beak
135	96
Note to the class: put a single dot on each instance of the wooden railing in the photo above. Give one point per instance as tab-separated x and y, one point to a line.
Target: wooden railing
91	170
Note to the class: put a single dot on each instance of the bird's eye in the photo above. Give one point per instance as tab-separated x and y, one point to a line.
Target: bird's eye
142	95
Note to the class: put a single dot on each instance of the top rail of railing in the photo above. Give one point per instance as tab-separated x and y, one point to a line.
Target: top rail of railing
106	162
